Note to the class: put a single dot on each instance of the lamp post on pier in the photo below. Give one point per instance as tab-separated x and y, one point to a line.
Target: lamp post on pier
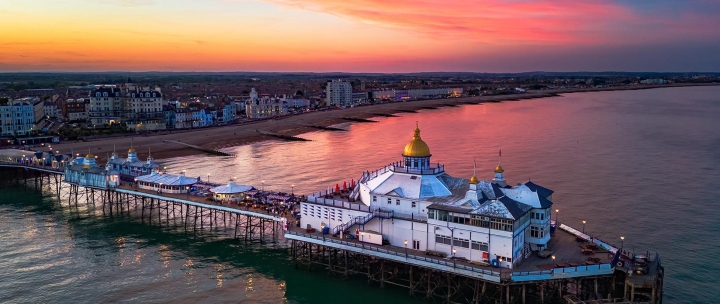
208	177
322	230
187	192
557	215
406	254
292	189
362	239
584	226
453	252
263	186
622	242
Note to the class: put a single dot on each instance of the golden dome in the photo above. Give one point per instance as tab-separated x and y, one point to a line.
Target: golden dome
132	150
474	180
499	169
416	147
89	156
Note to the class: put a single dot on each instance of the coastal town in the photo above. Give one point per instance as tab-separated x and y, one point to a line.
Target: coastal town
75	110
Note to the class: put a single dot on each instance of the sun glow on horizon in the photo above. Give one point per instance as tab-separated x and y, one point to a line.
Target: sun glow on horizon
350	35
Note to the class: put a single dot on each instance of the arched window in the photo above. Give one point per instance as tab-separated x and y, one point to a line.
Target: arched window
105	94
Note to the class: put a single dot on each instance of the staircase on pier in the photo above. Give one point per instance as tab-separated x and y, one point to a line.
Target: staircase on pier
362	220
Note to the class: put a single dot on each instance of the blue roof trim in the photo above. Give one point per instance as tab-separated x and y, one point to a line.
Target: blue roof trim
544	202
539	189
515	208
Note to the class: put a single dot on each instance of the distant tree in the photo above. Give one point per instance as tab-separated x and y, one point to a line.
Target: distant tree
299	93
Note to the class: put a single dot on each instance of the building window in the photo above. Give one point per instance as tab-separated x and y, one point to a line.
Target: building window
458	242
534	232
374	198
389	200
432	214
441	239
482	246
413	204
397	202
504	259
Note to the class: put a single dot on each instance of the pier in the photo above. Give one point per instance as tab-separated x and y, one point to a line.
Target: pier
572	275
189	212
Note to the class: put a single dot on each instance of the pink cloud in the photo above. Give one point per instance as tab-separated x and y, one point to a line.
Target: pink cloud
521	22
490	21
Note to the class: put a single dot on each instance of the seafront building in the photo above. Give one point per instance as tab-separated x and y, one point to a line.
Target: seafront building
416	94
338	93
263	106
415	203
75	109
137	107
21	116
84	171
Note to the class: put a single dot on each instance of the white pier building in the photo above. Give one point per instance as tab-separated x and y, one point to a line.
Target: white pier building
415	204
85	172
132	166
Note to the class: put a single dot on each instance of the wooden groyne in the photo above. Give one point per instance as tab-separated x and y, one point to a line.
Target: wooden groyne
323	127
206	150
384	115
429	108
358	119
280	136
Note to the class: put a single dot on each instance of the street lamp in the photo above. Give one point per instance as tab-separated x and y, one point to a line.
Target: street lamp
557	214
406	255
292	189
187	192
553	257
263	186
622	242
322	230
160	189
584	226
362	239
453	252
208	178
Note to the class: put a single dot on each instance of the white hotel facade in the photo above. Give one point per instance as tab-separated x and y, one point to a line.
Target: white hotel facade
415	203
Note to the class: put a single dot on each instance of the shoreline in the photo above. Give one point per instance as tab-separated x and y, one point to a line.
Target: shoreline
216	138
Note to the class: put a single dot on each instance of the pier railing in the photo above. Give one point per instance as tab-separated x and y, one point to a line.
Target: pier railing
337	203
366	246
589	238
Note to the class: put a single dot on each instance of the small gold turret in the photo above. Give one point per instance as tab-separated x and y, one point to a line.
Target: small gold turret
474	180
499	169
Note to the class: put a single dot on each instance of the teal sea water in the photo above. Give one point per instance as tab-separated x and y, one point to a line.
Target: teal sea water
640	164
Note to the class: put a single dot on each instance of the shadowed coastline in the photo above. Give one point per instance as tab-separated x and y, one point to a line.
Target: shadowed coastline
216	138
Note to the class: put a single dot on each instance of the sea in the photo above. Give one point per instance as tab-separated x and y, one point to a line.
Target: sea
643	165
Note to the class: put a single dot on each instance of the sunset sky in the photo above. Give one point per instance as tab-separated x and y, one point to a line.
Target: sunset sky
359	35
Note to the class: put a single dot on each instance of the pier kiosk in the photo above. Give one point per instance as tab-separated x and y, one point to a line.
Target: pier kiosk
231	192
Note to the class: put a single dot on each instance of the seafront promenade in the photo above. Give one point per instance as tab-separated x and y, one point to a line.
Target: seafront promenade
217	138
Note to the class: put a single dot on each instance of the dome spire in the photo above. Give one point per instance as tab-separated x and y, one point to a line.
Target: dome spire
499	168
474	180
499	179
